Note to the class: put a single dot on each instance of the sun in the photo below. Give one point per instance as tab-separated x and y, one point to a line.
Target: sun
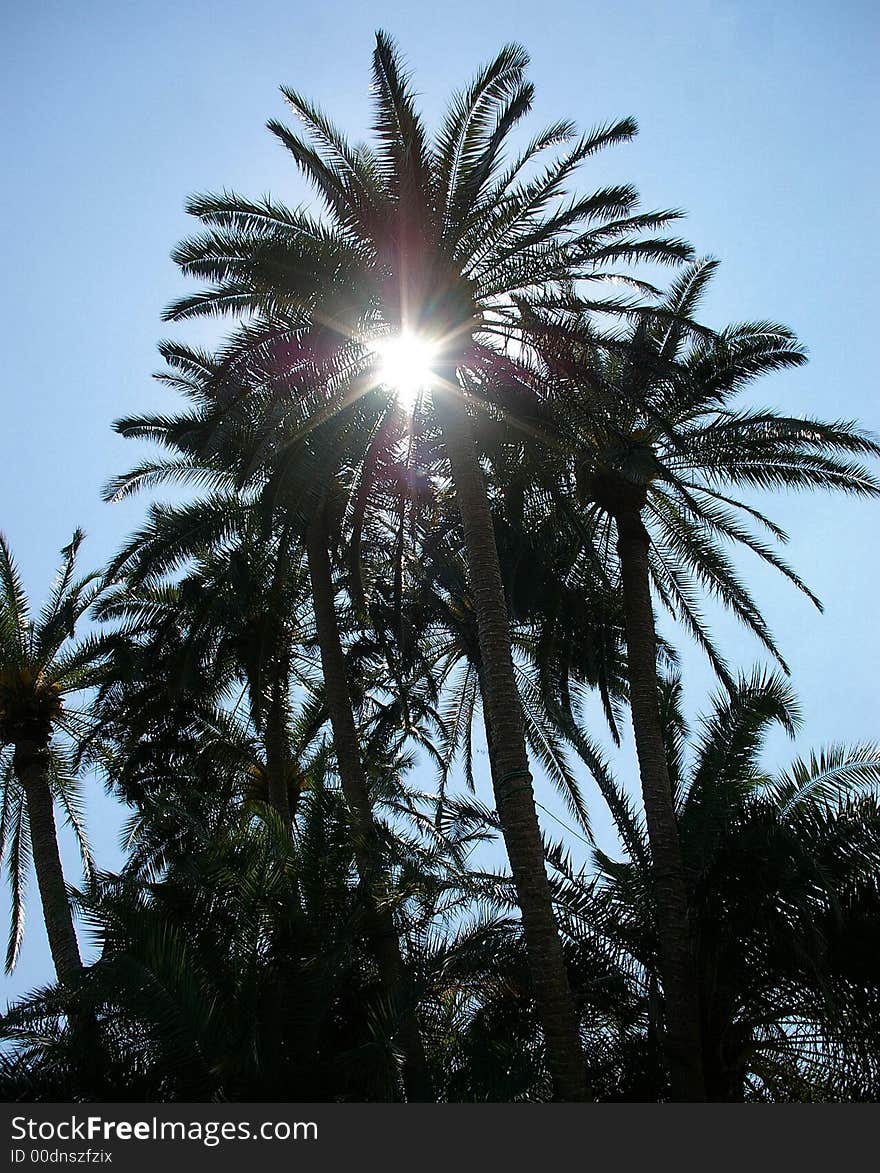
405	365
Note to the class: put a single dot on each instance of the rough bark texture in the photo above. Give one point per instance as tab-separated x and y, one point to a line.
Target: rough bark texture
512	780
31	764
383	936
676	948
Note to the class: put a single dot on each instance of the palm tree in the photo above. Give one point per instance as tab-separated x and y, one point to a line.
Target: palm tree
305	497
435	243
782	893
658	446
41	666
232	626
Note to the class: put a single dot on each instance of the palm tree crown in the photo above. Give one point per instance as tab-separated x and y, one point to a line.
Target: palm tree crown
42	665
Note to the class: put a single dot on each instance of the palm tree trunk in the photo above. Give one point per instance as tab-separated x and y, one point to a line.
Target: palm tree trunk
278	752
31	765
677	961
512	781
381	931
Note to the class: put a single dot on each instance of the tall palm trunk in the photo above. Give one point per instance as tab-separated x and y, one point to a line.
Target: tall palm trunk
31	765
511	776
677	960
381	931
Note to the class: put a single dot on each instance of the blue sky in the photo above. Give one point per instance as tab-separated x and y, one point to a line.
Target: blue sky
756	117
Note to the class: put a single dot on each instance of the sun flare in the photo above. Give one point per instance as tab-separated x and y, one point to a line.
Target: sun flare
405	365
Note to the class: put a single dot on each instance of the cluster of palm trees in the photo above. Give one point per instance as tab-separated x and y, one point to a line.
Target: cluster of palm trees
449	458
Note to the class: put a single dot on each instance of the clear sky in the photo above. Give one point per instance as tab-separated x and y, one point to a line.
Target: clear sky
758	117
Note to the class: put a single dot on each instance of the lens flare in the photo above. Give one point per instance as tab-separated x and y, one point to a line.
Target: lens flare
405	366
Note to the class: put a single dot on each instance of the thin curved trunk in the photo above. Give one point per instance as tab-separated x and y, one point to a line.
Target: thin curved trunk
511	777
381	931
677	963
31	765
